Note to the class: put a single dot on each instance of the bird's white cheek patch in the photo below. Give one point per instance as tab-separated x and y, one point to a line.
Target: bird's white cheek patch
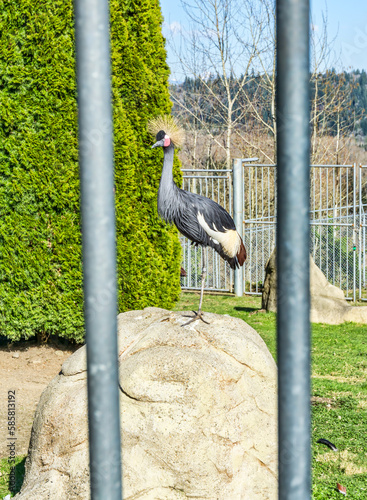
167	141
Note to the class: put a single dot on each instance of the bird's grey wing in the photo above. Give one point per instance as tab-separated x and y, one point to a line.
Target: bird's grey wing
192	209
187	223
215	216
205	222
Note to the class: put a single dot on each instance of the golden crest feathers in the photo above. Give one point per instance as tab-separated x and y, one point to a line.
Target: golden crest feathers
171	127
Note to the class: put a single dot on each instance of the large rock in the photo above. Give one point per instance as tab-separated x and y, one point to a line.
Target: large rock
328	304
198	415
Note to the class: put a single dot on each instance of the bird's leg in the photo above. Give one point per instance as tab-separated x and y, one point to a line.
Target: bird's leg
199	314
203	277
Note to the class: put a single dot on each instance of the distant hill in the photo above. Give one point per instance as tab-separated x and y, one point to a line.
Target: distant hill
341	101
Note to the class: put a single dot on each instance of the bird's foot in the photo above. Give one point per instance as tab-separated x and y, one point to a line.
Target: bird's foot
198	315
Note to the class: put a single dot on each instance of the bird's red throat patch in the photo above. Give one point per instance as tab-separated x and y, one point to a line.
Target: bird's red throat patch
167	141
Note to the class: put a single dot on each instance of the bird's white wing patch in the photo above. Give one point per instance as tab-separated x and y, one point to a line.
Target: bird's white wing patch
229	240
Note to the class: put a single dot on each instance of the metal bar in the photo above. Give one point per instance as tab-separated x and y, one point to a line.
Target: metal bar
264	165
99	247
198	266
354	229
238	218
314	222
246	160
327	273
262	235
347	214
331	166
311	166
334	216
271	165
208	289
320	210
313	187
205	177
341	224
268	200
250	253
205	170
360	231
230	208
340	229
293	239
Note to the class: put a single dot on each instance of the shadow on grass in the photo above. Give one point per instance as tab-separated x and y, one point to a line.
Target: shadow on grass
22	345
246	309
15	481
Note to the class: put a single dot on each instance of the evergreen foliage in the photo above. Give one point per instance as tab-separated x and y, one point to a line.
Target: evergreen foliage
40	258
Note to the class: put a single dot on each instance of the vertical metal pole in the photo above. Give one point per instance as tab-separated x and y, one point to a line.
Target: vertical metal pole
293	256
347	219
360	232
99	248
238	218
354	229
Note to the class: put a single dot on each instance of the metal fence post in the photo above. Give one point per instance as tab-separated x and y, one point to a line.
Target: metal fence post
360	211
99	248
293	256
355	230
238	218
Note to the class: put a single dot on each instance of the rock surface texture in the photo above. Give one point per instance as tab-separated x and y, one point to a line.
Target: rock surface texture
328	304
198	413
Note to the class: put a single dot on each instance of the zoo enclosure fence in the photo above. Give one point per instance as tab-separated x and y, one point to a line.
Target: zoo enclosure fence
338	218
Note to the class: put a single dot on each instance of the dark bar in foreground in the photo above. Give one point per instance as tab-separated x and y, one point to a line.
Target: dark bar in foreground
99	250
293	325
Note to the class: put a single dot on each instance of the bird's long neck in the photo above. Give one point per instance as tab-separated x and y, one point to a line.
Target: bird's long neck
167	176
167	186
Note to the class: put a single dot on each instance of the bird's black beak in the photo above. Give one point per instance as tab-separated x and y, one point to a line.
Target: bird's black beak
158	144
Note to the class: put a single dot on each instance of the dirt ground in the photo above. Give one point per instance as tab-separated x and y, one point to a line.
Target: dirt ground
26	368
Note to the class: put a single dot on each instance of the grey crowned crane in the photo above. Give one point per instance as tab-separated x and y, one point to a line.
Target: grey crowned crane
198	218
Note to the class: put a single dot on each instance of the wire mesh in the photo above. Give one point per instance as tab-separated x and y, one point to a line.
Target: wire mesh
338	214
362	234
333	250
338	224
259	222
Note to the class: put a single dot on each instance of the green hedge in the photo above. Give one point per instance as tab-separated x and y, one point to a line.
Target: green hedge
40	243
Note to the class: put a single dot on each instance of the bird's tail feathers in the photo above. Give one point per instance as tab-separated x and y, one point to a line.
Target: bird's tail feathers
236	261
240	257
241	254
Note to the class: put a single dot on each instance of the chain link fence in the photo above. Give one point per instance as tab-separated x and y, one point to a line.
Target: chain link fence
338	217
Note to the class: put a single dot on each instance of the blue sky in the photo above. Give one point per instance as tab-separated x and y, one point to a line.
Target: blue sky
347	23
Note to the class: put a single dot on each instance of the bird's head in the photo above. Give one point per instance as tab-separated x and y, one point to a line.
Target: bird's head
163	140
167	131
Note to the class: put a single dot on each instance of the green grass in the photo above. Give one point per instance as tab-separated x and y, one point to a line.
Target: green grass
339	390
5	473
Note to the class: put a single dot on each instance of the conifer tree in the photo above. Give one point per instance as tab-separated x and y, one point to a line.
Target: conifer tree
40	257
